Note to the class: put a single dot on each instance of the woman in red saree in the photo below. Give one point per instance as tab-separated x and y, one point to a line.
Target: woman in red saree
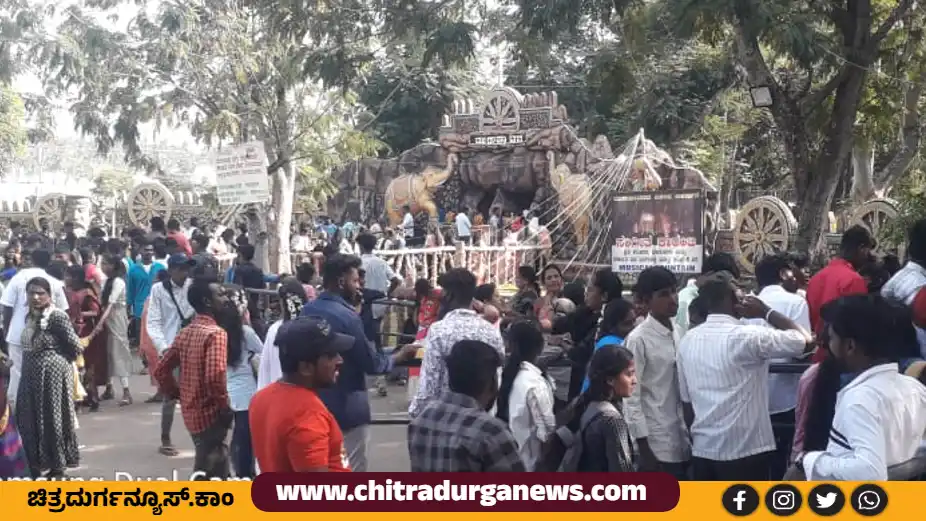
84	310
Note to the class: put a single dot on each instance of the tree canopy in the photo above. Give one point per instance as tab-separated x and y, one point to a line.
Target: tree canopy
321	83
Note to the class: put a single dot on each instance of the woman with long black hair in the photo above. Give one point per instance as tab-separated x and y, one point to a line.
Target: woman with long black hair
525	398
84	310
598	416
115	319
243	346
522	304
582	324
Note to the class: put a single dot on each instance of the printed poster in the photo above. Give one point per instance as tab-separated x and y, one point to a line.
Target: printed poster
659	228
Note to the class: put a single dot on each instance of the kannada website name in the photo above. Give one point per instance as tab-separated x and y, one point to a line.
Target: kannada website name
119	475
486	494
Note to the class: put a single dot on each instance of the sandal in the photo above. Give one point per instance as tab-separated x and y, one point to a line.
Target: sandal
168	450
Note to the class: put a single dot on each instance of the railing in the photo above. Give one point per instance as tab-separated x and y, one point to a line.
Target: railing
497	264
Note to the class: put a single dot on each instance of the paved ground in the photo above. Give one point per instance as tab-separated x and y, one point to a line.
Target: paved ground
125	439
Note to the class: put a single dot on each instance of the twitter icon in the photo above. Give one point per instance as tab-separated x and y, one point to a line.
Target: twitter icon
826	500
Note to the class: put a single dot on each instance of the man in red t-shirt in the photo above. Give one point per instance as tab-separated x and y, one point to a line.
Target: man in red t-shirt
291	429
174	232
840	277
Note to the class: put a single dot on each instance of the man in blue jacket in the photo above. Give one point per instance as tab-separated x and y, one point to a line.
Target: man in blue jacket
347	399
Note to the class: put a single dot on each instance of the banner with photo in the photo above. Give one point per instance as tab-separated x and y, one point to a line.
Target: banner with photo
660	228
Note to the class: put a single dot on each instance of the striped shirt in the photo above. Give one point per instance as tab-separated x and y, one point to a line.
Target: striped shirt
723	374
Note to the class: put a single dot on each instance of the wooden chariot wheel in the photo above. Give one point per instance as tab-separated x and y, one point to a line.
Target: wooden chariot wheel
148	200
501	111
49	207
874	215
763	226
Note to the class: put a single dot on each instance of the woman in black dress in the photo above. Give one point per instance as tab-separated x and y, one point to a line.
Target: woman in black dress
45	414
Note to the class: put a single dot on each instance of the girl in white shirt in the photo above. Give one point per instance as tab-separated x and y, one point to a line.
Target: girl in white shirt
525	397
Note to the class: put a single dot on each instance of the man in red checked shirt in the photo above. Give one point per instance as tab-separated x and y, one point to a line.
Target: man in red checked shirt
291	429
839	278
201	349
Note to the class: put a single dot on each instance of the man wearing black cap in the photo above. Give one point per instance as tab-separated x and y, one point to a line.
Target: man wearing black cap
291	428
168	311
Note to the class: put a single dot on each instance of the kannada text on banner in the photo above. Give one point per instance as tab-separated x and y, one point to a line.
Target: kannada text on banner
505	497
241	174
660	228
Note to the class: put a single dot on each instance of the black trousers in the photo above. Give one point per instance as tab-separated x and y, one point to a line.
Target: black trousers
750	468
783	428
211	456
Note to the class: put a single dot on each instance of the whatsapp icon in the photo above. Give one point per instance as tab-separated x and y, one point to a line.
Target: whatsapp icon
869	500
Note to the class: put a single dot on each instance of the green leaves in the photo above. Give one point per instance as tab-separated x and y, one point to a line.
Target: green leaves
12	128
453	43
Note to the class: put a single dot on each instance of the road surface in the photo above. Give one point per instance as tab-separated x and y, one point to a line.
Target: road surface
125	439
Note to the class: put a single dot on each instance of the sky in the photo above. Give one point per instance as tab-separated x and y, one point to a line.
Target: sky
487	57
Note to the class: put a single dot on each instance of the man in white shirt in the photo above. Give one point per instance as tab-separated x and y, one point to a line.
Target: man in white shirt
720	261
880	416
904	285
464	227
408	223
654	409
723	379
379	274
16	309
168	312
773	274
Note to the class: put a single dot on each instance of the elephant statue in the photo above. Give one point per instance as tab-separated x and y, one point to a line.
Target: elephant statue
575	199
373	175
416	191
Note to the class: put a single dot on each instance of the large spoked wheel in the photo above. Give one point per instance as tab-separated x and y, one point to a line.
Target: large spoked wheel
875	216
764	226
148	200
50	208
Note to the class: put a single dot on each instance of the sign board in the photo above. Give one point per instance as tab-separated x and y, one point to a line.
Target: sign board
241	174
661	228
496	140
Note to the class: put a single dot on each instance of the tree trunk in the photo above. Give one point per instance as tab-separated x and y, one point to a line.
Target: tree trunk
909	138
280	217
815	193
283	186
863	166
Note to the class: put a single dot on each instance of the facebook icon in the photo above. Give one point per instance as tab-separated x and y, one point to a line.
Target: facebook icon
740	500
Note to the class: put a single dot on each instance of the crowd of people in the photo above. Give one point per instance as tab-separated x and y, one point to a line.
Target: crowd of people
563	376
